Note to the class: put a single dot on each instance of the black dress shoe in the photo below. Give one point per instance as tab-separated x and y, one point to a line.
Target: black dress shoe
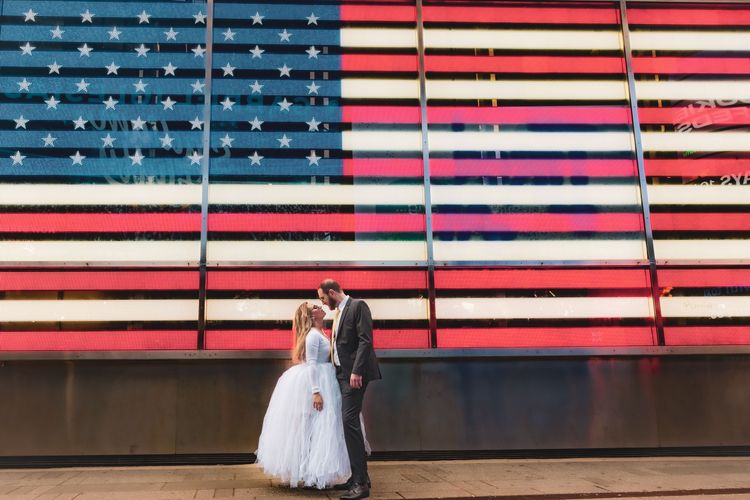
348	485
356	492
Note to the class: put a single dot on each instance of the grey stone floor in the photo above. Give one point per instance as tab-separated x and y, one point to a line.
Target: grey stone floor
668	478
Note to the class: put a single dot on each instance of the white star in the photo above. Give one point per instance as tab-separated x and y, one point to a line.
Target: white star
285	36
57	32
138	123
312	52
195	158
196	124
54	68
228	34
226	141
108	141
137	158
77	158
85	50
114	34
80	123
228	70
284	105
112	68
52	102
255	158
17	158
110	103
169	69
257	52
200	18
142	50
313	158
21	122
198	51
197	86
168	103
140	86
255	124
87	17
166	141
284	141
23	85
143	17
227	104
312	19
257	18
30	15
256	87
26	49
312	88
284	71
83	86
171	34
313	124
49	140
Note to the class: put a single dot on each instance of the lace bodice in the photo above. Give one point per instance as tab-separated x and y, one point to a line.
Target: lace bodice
317	352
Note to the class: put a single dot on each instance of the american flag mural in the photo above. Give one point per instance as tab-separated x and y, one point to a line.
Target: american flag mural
500	208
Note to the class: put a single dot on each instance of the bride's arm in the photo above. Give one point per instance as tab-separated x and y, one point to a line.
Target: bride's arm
312	347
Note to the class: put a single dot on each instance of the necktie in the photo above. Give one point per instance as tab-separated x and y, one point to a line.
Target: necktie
334	328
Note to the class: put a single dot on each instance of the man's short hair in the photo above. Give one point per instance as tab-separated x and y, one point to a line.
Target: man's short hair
329	284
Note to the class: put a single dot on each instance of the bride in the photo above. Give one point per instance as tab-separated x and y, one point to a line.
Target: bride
302	440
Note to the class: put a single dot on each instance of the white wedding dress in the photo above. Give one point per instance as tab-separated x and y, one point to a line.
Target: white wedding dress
298	444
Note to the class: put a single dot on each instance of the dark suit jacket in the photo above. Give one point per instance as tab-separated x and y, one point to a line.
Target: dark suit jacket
354	341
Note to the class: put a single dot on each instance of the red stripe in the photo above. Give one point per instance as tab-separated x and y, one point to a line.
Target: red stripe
524	64
379	12
707	335
545	337
703	277
530	15
97	223
501	279
691	65
689	17
99	280
282	339
309	280
308	223
99	341
380	114
379	62
695	117
511	168
552	223
383	167
700	222
703	167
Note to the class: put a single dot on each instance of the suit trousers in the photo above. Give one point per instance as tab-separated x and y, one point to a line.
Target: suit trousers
351	406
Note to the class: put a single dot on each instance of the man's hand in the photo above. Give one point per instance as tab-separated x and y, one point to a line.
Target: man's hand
318	401
355	381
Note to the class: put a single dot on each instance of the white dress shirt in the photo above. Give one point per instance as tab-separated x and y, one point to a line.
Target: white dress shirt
340	307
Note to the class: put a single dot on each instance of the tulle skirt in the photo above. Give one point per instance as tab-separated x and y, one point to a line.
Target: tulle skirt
298	444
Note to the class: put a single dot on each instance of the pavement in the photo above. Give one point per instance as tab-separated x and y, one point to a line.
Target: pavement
724	478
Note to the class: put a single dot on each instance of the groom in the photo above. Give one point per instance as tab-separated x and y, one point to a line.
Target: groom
356	365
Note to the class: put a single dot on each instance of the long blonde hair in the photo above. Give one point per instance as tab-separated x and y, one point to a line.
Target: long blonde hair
301	325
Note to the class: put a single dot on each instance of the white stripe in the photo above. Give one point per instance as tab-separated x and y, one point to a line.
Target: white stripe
543	307
706	307
125	252
317	251
314	194
693	90
698	195
378	37
535	195
283	309
690	40
702	249
696	141
99	310
100	194
521	250
379	88
367	140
